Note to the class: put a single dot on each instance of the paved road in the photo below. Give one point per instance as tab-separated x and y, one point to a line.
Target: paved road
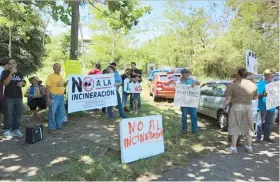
263	165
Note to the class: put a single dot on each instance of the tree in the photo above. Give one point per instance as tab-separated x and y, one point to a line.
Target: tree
26	29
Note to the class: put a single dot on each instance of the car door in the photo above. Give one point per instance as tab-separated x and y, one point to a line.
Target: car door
206	94
219	98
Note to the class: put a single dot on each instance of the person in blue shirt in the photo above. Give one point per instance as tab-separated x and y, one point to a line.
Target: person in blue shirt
118	83
186	79
267	116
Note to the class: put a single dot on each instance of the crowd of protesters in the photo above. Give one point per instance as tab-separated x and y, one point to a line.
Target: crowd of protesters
239	96
52	96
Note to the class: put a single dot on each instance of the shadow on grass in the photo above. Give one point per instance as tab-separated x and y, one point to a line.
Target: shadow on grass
178	150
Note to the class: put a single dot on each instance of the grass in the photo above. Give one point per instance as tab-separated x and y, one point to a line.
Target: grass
179	149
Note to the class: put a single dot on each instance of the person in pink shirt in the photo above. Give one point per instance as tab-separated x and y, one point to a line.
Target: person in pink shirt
95	71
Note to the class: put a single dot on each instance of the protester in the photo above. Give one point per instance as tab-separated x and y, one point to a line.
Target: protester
118	83
55	99
13	108
136	76
36	96
234	78
105	71
240	122
3	66
187	80
96	70
127	74
267	116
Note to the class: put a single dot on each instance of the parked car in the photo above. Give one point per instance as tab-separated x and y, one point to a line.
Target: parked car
162	87
153	72
212	97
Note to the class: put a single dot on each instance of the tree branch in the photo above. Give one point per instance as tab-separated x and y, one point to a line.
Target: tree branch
92	4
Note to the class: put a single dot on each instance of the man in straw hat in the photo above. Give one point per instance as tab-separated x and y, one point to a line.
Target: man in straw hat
36	96
267	116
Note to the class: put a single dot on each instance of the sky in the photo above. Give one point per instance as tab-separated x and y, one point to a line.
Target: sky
146	22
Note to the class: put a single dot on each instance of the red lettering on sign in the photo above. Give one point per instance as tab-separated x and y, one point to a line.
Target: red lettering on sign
131	127
140	126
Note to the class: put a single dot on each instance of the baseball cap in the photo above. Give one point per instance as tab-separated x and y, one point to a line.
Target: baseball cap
185	71
267	72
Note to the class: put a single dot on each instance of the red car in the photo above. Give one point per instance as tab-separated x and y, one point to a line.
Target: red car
163	87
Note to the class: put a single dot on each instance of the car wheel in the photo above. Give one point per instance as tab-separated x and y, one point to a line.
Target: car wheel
155	99
223	121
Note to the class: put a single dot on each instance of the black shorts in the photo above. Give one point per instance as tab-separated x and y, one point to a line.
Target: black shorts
37	103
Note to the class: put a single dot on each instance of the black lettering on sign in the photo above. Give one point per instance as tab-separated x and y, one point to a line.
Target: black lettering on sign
76	84
98	84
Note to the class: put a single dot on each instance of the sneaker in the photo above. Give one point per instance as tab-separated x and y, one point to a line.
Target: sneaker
257	140
17	133
65	119
8	135
249	149
125	109
231	151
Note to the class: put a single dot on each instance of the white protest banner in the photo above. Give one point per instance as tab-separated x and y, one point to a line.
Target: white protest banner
187	96
251	61
141	138
272	99
131	87
86	92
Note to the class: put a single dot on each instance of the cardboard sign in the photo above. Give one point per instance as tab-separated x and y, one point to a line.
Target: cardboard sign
272	99
131	87
72	67
86	92
187	96
251	62
141	138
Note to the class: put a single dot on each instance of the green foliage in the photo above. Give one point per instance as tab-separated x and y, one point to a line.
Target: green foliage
27	33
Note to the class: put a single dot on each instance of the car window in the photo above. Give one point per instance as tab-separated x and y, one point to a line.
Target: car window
206	90
163	78
219	90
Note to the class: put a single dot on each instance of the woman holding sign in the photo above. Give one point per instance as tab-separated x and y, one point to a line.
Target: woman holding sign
118	83
186	79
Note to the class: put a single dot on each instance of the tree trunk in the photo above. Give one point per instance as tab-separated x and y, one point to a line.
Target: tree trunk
10	41
74	30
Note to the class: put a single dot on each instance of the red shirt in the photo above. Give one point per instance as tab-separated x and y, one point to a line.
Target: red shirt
95	72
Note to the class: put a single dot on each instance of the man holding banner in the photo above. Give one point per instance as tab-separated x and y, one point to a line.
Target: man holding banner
192	111
267	116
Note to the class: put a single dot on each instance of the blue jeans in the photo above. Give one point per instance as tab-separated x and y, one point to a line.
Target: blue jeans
266	125
56	112
124	98
120	108
193	113
12	113
136	96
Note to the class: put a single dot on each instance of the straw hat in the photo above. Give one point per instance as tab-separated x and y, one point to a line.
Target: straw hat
35	77
267	72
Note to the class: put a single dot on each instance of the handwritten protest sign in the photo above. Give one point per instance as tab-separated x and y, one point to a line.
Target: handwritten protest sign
187	96
86	92
251	61
272	99
131	87
73	67
141	138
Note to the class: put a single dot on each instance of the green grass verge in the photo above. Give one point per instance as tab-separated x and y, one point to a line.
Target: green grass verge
178	150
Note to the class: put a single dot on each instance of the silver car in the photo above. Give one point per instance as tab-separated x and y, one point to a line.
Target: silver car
212	97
